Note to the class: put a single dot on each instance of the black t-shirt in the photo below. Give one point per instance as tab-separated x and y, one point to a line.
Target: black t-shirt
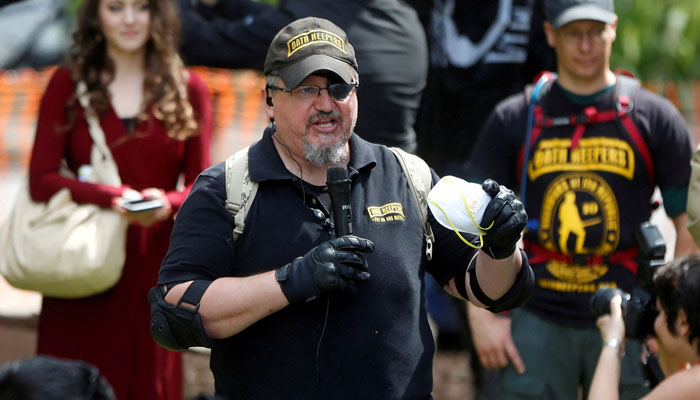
388	38
584	200
374	345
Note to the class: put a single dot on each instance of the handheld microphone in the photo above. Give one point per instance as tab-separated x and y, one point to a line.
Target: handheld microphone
338	184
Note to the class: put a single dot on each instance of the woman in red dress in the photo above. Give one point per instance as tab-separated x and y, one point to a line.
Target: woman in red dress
156	119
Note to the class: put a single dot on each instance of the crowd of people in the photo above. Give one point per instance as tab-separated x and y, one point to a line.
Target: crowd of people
251	258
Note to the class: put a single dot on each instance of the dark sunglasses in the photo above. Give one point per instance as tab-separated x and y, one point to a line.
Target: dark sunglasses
338	91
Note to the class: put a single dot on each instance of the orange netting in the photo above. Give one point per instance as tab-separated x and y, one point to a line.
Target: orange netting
239	115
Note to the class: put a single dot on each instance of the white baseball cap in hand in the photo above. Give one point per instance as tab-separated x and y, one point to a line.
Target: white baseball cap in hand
459	205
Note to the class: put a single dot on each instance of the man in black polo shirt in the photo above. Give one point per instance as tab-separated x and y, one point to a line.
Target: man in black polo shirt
290	310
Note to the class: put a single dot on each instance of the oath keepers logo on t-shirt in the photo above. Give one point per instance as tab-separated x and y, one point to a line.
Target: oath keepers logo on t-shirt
313	37
592	154
579	215
387	212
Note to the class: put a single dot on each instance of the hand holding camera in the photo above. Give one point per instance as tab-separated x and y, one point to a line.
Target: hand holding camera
636	308
611	325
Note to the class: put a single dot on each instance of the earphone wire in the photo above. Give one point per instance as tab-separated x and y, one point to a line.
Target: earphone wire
320	339
301	173
303	195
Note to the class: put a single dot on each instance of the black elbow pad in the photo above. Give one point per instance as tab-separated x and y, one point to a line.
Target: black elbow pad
515	297
178	327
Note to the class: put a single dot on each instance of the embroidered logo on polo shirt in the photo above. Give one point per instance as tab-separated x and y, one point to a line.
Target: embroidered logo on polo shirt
387	212
316	36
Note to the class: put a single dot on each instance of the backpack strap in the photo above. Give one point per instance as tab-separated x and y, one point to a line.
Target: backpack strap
627	88
535	116
240	189
420	181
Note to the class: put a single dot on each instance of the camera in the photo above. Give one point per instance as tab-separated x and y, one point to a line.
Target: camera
652	253
638	310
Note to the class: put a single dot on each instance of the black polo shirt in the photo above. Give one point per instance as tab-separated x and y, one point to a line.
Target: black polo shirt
374	345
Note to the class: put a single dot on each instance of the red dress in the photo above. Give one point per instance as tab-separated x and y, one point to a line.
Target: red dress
111	329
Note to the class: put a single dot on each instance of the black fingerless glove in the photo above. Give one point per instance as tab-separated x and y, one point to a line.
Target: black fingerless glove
335	265
509	219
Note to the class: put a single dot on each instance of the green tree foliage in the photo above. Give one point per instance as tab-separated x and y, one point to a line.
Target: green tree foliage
658	40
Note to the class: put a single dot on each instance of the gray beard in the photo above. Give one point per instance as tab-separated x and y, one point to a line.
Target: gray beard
321	156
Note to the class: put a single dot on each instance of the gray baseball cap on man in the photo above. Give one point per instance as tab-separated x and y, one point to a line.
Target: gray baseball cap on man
561	12
308	45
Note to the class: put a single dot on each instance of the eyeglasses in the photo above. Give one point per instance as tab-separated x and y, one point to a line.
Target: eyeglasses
573	35
338	91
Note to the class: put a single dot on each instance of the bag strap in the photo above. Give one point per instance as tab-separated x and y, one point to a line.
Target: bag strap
110	172
420	181
240	189
534	111
627	88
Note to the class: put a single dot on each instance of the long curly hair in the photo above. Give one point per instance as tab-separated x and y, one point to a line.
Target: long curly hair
165	85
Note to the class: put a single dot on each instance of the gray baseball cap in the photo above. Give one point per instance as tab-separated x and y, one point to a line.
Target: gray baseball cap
561	12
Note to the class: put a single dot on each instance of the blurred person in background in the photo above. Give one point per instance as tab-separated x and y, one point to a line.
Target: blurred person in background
389	41
473	46
50	378
35	33
599	146
694	198
156	119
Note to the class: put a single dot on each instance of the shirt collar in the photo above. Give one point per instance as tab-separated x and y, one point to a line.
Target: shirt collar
268	165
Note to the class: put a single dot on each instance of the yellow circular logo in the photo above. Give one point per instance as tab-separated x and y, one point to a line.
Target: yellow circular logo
579	215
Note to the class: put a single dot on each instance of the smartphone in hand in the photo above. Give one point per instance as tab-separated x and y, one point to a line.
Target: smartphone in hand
144	204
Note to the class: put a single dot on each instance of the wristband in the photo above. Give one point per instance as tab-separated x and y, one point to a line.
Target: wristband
617	344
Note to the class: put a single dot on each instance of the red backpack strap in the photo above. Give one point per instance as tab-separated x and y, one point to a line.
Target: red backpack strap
626	93
622	71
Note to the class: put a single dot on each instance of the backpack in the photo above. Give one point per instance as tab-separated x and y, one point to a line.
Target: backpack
241	190
626	90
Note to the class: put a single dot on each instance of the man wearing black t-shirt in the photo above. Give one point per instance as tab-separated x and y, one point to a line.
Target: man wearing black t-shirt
594	155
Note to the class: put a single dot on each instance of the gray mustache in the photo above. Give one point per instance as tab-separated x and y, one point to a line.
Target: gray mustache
324	114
